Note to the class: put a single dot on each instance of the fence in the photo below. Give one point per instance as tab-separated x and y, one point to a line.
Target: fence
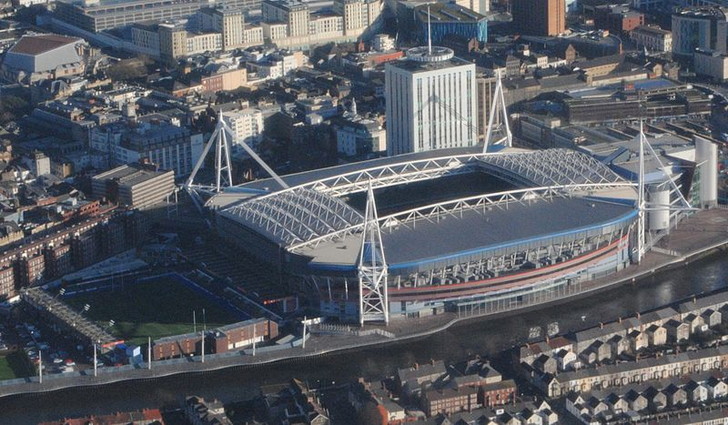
333	329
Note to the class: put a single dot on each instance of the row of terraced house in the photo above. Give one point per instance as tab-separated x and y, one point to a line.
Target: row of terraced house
606	342
71	248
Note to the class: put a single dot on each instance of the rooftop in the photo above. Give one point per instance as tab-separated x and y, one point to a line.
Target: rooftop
37	44
129	175
419	60
408	246
441	12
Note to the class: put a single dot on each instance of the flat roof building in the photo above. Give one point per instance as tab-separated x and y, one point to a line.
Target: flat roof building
295	13
539	17
445	19
699	28
43	53
134	185
99	15
431	101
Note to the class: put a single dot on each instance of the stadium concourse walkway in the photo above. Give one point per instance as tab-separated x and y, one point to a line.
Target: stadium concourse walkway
697	236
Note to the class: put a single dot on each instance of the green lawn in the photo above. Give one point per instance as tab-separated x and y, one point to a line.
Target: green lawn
153	309
14	365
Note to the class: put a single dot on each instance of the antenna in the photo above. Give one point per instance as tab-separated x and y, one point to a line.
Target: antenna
429	32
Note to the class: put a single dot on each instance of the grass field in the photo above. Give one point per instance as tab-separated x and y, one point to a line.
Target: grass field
14	365
155	309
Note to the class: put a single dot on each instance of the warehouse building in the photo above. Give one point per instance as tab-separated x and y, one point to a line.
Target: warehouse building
42	56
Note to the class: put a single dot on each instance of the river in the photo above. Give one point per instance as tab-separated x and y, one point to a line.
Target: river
481	336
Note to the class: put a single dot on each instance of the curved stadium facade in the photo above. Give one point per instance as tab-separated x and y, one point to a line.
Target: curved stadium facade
545	224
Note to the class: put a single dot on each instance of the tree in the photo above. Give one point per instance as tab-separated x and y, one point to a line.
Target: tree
12	107
369	414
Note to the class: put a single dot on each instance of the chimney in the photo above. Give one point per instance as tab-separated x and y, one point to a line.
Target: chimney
417	366
620	319
601	325
548	339
638	315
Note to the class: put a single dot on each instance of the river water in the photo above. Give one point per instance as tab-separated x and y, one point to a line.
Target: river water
482	336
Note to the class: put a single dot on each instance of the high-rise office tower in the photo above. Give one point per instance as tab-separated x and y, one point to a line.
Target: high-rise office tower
539	17
431	101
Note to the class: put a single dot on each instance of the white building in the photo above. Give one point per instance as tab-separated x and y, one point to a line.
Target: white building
228	22
272	65
38	163
274	31
253	35
28	3
357	136
325	27
290	23
653	38
431	102
246	125
483	6
358	14
382	43
204	42
699	28
293	13
711	64
167	145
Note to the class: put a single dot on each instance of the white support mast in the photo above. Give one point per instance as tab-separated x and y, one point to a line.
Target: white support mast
642	204
500	124
429	32
222	139
223	170
373	302
641	198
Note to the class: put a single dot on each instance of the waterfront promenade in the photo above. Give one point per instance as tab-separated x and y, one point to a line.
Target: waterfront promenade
697	236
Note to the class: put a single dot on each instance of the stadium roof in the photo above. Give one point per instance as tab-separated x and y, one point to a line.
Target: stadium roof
295	216
329	172
455	237
311	211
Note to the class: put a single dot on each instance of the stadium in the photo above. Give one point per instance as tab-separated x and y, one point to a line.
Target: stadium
450	230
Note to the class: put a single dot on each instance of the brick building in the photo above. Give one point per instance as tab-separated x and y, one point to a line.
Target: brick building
176	346
497	393
220	340
450	400
618	19
72	247
243	334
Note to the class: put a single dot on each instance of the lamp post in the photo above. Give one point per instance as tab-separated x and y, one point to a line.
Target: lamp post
303	345
149	353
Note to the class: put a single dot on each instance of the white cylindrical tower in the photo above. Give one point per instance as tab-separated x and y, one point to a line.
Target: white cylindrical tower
659	207
706	154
